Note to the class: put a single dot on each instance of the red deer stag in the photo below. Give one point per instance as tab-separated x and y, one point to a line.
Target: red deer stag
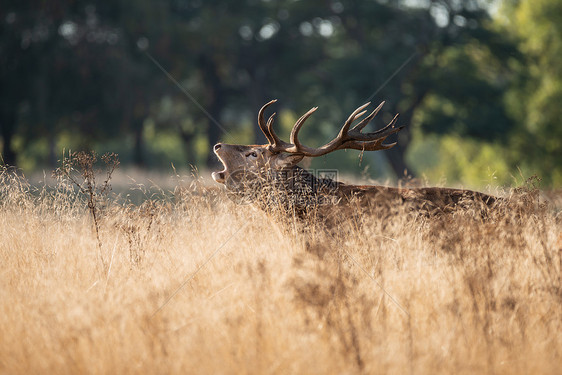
256	171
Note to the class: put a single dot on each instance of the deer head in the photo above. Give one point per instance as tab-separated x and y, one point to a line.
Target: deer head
278	155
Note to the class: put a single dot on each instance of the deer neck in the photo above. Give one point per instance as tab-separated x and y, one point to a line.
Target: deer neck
300	181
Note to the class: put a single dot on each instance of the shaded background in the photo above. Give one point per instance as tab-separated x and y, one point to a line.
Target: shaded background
478	84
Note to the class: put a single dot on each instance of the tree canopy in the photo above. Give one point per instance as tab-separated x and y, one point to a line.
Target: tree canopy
161	81
534	100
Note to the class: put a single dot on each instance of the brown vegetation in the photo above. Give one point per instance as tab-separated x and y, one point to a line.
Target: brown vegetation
194	283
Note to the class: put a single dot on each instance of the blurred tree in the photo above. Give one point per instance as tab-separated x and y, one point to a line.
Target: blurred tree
99	70
422	58
54	73
438	61
535	101
243	53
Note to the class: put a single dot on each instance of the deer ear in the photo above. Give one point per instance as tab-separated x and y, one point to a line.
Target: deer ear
284	160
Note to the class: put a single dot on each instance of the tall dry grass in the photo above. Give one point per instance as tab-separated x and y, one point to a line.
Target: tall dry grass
197	284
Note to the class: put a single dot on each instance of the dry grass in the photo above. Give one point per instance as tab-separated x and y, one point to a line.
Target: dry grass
449	294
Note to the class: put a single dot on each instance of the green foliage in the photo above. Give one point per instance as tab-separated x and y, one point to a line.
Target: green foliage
468	100
461	160
92	75
534	101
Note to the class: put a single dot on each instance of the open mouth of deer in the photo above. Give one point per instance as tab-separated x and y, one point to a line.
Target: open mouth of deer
220	176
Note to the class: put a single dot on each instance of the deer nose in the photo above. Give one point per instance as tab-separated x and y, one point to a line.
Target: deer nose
217	147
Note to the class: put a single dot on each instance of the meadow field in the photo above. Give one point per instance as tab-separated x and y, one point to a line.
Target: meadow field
189	282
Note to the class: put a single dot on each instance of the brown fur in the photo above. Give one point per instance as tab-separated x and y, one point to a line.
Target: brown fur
249	169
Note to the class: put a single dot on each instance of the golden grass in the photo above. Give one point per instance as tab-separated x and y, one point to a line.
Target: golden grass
403	294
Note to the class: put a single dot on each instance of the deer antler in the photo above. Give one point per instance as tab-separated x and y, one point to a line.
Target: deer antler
346	139
274	141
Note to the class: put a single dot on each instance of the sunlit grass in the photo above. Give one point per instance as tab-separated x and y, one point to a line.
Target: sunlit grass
197	284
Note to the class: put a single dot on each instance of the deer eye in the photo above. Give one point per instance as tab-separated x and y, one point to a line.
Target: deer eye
252	154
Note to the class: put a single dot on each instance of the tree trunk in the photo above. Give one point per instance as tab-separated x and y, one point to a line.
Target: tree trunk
138	154
44	111
7	127
188	138
259	98
213	133
52	148
397	160
215	105
397	154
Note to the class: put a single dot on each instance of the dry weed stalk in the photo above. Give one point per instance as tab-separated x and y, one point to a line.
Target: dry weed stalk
138	224
79	169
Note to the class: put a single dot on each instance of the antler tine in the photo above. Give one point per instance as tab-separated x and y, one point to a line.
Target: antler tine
377	147
369	146
387	130
354	116
263	126
297	127
389	126
278	143
367	119
269	127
